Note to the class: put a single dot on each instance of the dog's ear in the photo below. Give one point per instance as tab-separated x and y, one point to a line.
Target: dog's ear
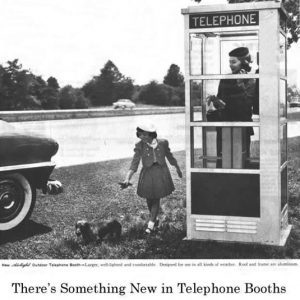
86	225
81	225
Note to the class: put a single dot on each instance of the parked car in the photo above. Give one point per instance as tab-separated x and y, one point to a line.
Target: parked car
123	103
25	165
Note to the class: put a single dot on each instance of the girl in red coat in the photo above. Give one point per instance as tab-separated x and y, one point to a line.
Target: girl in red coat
155	181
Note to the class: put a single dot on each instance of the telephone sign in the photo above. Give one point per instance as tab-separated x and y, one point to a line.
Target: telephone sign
249	18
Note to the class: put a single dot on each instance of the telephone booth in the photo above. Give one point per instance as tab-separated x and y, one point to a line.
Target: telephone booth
236	124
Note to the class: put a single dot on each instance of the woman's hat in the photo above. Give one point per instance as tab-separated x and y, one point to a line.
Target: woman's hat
239	52
146	127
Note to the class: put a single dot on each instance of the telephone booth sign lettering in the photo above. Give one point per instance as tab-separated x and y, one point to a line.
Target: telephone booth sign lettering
236	123
224	20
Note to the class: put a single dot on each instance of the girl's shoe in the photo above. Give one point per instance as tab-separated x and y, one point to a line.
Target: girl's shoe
149	231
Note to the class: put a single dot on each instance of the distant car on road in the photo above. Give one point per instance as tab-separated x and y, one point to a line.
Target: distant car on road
25	165
295	101
123	103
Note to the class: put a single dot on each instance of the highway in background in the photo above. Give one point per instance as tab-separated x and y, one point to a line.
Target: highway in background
99	139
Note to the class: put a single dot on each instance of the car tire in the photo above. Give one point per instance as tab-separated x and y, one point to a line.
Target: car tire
17	200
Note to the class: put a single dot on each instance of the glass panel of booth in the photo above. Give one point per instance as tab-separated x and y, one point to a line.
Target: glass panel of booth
283	22
283	143
225	147
209	51
282	56
224	100
282	98
284	191
231	97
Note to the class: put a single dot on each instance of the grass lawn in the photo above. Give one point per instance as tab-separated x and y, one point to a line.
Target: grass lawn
91	192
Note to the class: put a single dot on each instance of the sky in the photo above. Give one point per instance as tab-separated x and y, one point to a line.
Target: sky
73	39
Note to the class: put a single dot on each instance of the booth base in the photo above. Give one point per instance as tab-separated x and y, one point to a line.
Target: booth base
284	236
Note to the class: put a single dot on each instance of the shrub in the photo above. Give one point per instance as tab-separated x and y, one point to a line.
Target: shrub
81	100
160	94
72	98
67	97
153	93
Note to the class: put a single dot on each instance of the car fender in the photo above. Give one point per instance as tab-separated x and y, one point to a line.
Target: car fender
36	173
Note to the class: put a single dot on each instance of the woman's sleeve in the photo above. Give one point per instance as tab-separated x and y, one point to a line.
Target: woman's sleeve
220	90
172	160
249	90
256	98
136	158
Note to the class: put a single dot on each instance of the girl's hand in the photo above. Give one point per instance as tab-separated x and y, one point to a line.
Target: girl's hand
179	172
125	184
126	181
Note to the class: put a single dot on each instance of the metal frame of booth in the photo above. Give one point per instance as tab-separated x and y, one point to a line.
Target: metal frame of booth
269	223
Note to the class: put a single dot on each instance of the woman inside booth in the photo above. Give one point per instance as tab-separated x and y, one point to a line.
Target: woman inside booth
237	99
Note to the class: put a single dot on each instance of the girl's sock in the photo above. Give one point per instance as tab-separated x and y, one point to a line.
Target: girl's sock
151	225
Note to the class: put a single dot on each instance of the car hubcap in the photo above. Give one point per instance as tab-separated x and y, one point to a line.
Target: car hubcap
11	199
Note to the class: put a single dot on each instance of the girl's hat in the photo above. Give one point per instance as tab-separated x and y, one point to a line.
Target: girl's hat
146	127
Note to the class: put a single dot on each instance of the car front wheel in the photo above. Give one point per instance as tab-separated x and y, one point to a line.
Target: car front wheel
17	200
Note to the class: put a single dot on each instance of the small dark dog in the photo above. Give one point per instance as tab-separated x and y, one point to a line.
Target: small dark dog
96	232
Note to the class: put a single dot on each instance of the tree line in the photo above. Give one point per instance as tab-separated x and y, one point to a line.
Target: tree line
20	89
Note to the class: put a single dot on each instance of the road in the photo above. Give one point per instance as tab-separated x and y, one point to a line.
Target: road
98	139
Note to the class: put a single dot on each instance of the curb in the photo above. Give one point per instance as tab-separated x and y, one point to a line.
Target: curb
44	115
34	115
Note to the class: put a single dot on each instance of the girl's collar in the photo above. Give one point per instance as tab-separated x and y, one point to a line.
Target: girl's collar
153	144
